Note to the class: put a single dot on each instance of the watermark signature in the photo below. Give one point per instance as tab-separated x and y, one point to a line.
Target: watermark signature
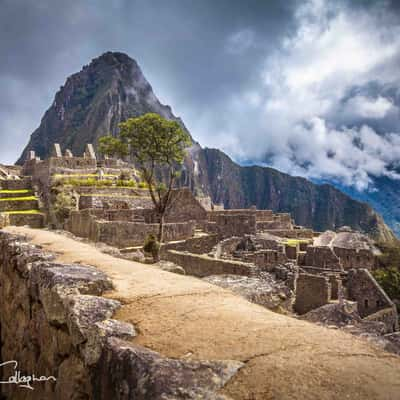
23	381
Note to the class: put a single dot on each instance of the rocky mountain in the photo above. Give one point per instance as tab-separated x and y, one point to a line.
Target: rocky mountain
384	197
93	102
112	88
321	207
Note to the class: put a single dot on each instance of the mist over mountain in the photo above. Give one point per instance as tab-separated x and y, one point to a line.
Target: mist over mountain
113	88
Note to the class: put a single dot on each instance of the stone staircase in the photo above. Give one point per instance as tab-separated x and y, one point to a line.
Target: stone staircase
18	204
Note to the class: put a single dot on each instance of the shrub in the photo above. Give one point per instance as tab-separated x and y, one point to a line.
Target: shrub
152	246
389	279
143	185
63	204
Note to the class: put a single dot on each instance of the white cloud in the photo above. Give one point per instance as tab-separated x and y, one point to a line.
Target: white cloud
367	107
291	116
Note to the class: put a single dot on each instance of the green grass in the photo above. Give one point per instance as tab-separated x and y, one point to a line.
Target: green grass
295	242
117	196
58	176
19	198
24	212
19	191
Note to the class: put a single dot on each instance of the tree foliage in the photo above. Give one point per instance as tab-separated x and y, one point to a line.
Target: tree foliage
112	147
388	274
389	279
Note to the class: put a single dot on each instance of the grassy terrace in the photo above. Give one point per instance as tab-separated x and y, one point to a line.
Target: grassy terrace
23	212
114	195
26	198
295	242
19	191
58	176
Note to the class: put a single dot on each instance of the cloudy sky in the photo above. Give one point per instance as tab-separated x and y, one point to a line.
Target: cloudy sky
309	87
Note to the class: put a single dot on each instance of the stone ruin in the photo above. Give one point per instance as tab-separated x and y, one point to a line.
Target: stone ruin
262	255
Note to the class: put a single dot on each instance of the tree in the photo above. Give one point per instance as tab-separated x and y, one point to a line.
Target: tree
112	147
158	148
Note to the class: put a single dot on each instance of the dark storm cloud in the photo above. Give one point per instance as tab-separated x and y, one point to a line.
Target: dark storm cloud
311	86
180	45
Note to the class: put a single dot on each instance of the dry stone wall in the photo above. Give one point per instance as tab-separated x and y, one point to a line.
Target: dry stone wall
92	224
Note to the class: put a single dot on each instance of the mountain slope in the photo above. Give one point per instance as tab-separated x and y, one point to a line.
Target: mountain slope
318	206
384	198
112	88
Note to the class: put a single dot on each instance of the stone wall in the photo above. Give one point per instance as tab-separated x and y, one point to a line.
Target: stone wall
312	291
371	298
356	258
292	233
114	202
18	205
127	234
50	316
322	257
91	224
202	265
235	225
16	184
55	324
33	220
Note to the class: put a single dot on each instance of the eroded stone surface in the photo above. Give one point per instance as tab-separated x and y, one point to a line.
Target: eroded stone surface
130	372
262	289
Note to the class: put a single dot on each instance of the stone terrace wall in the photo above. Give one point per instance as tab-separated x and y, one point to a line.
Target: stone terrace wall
54	323
202	265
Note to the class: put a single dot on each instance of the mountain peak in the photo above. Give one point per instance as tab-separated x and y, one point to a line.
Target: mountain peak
92	102
113	59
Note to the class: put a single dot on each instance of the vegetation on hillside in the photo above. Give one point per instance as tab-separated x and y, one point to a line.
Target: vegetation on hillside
388	273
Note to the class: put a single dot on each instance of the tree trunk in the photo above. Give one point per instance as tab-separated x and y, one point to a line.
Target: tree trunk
160	238
161	229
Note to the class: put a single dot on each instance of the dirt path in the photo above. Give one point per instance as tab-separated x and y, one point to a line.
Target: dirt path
181	316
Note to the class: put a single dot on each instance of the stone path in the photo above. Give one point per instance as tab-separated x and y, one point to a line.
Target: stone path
181	316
